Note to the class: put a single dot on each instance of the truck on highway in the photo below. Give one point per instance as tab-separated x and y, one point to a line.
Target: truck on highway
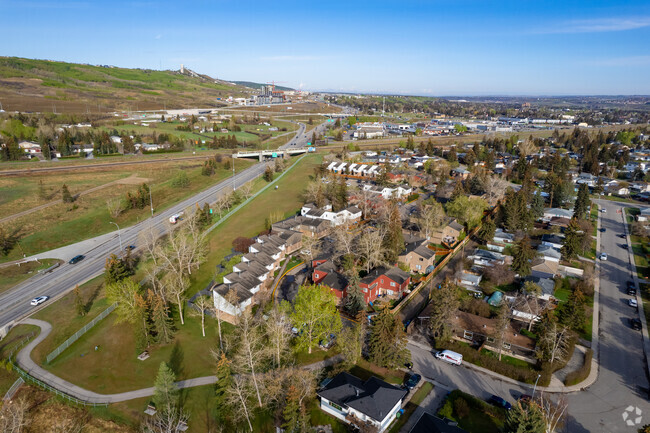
176	218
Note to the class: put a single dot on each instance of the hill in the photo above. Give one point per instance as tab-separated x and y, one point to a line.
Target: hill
44	85
258	86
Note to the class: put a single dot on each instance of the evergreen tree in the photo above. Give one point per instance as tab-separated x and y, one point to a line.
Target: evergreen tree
354	300
523	254
65	194
444	303
387	342
224	378
166	393
537	206
487	230
525	418
394	239
79	304
582	202
163	325
116	270
572	312
573	236
295	419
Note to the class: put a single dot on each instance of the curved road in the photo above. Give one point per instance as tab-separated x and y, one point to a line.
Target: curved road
14	304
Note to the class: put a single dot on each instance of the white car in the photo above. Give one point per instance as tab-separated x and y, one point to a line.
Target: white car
604	210
39	300
603	256
632	303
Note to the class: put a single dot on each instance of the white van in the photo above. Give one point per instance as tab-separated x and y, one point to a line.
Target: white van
450	357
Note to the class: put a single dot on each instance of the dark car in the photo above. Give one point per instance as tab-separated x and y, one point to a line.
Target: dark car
635	324
76	259
622	235
603	230
412	381
499	402
624	246
129	248
631	288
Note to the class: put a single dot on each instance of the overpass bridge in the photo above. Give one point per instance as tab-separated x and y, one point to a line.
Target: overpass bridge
276	153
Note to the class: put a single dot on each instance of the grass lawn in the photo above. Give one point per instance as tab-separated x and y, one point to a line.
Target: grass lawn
482	417
515	362
645	296
319	417
316	355
410	407
364	370
15	274
562	294
88	215
251	219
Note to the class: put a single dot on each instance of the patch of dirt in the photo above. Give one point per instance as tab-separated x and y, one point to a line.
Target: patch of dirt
47	414
133	180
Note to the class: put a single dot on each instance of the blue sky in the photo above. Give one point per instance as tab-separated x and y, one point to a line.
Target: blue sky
527	47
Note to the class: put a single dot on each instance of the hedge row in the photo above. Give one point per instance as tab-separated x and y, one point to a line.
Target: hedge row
582	373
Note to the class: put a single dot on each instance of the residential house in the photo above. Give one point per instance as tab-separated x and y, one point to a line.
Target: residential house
388	192
544	268
586	178
549	253
487	258
546	284
552	240
644	214
389	282
556	213
311	227
349	215
460	173
448	233
469	280
500	241
428	423
30	147
326	274
617	189
373	401
418	257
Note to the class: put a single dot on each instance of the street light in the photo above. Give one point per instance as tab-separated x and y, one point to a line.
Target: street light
233	173
118	233
535	387
150	201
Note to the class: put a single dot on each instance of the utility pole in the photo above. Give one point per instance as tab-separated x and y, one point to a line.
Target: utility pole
233	173
150	201
119	235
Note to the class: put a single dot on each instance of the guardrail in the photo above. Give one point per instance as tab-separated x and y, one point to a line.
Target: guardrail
56	352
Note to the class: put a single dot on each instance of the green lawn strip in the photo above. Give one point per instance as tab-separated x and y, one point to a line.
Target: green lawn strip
251	219
68	225
562	294
515	362
8	345
364	370
170	128
319	417
15	274
422	393
645	296
316	355
641	252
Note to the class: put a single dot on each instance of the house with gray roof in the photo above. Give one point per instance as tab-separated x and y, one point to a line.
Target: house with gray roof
374	401
487	258
546	284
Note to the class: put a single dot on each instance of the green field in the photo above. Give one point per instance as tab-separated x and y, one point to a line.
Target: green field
15	274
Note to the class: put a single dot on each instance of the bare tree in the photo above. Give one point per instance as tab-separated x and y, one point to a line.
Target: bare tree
554	412
114	207
528	302
246	190
430	217
310	247
13	416
202	304
278	334
370	248
494	187
164	422
250	349
555	342
148	239
501	327
362	198
239	394
344	239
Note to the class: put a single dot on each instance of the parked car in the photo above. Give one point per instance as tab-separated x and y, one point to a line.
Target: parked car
604	210
129	248
631	288
499	402
632	303
624	246
603	256
412	381
635	324
39	300
76	259
603	230
622	235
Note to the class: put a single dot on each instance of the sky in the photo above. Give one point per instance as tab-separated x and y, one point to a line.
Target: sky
417	47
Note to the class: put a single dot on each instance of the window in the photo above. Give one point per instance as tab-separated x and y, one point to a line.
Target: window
365	290
491	340
392	284
390	293
335	406
418	267
506	346
468	335
421	259
381	280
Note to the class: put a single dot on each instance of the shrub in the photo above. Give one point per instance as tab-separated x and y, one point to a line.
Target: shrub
476	307
241	244
461	408
447	410
181	180
582	373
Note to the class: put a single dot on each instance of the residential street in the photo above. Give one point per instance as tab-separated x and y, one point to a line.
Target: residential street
622	379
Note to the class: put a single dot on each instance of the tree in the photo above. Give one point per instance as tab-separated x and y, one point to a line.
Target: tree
354	301
294	414
468	210
582	203
554	411
572	312
387	342
124	293
223	374
351	342
445	303
166	393
79	304
344	239
310	247
487	230
315	316
523	254
268	174
554	339
430	217
162	323
528	302
525	418
573	237
13	415
249	350
202	304
114	207
239	394
278	335
116	270
65	194
393	241
537	205
369	248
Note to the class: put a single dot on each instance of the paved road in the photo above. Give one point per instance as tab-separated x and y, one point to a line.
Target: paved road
622	379
14	304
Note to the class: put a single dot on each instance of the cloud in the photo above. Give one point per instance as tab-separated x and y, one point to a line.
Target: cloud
598	25
290	58
158	36
620	61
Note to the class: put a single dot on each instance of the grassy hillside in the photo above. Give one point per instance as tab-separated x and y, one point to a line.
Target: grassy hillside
43	85
258	86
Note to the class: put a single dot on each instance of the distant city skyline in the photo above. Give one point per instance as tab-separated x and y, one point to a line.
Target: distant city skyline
433	48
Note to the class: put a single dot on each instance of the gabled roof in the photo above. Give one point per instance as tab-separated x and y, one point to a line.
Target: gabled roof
334	280
432	424
546	284
240	291
394	273
454	225
374	397
424	252
548	251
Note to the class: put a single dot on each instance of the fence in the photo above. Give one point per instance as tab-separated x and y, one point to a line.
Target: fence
79	333
12	391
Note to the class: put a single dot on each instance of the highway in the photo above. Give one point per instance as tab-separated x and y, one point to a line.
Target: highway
622	379
14	304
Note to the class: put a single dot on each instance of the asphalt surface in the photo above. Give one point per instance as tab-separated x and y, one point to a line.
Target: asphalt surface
622	381
14	304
